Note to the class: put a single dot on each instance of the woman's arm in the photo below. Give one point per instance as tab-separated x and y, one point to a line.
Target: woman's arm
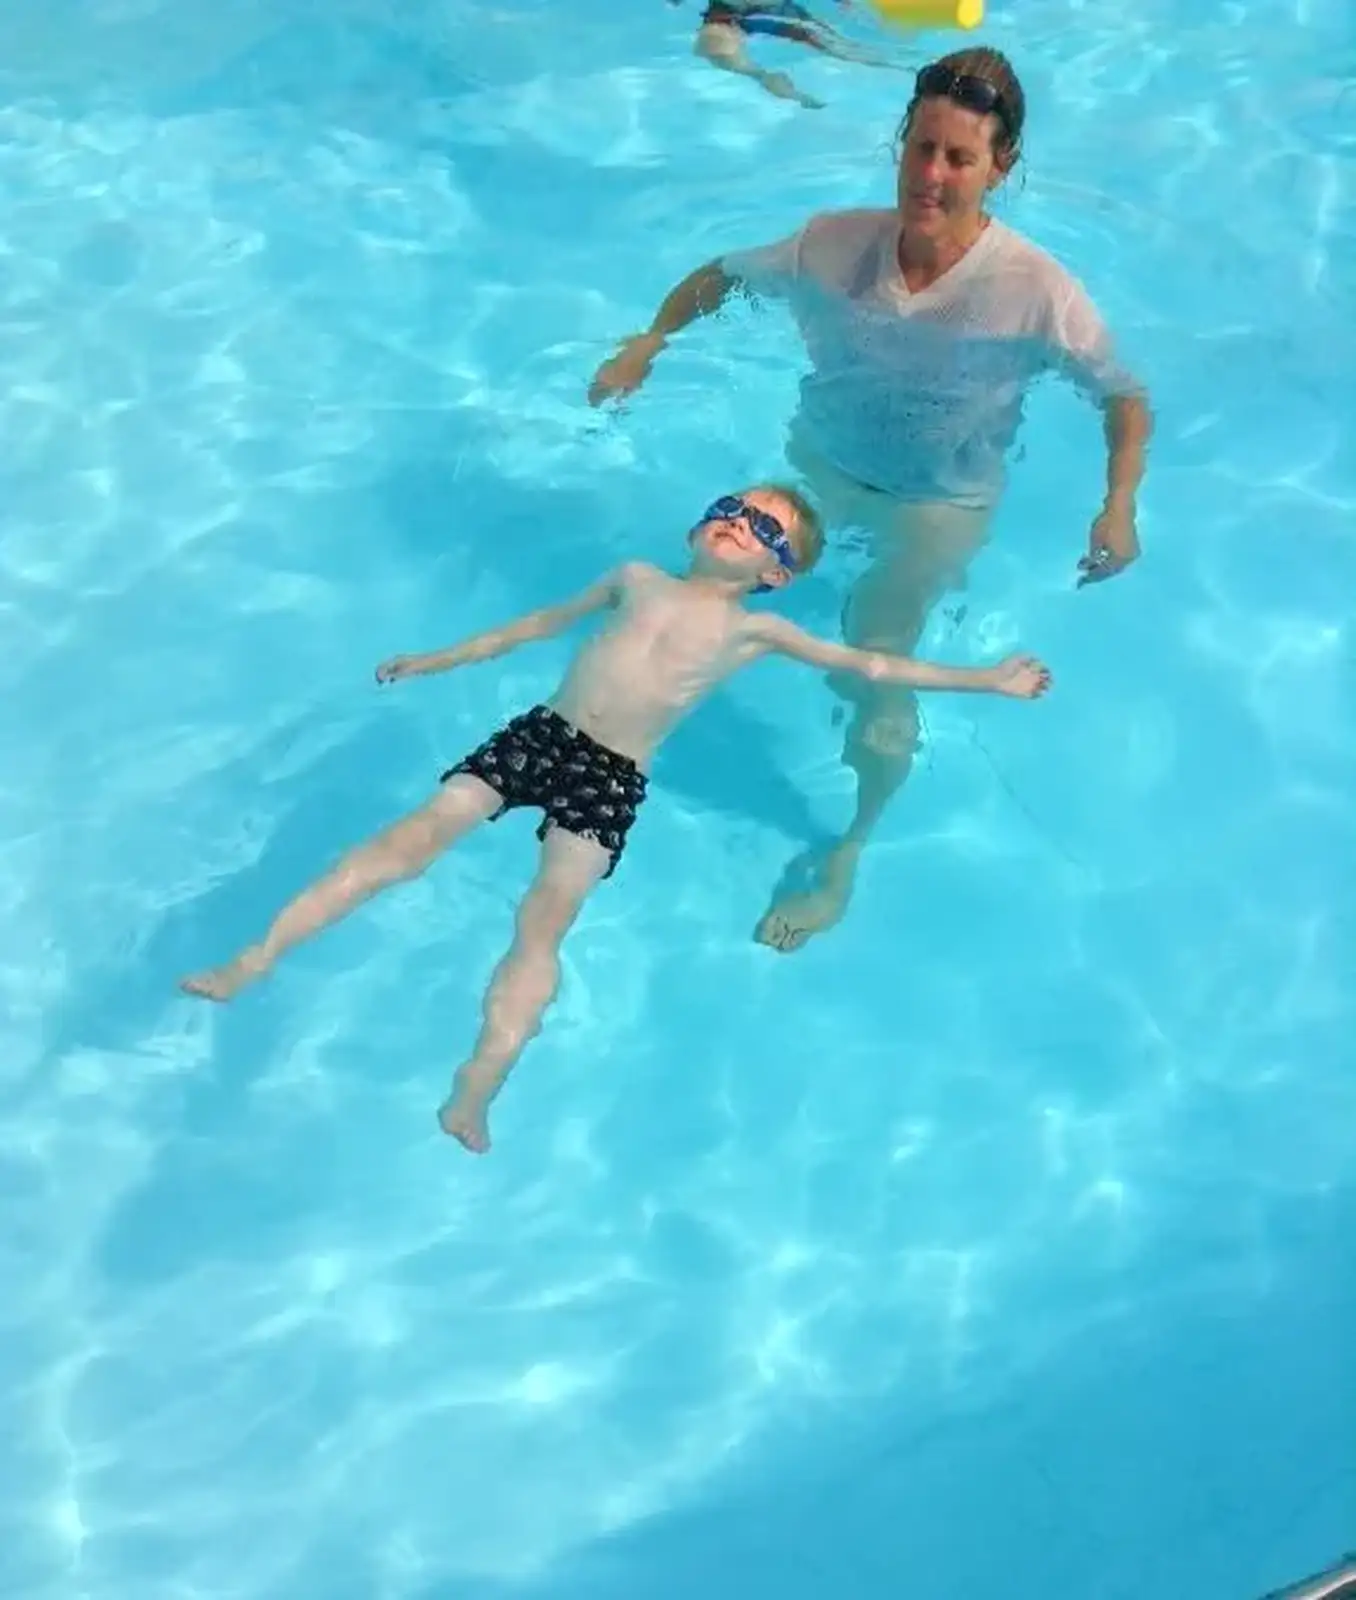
1128	424
765	269
698	295
1113	542
1086	352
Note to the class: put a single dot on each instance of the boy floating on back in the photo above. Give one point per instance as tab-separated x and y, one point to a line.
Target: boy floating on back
583	757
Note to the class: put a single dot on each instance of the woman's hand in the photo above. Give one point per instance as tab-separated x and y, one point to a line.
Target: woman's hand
627	370
396	668
1112	543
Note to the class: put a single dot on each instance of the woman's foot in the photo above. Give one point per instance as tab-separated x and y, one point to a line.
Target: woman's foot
797	914
463	1114
224	983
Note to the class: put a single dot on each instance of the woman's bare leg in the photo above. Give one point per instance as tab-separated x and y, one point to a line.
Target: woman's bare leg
923	555
401	853
524	982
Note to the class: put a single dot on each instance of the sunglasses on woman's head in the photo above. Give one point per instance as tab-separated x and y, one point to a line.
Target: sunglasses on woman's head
766	528
965	90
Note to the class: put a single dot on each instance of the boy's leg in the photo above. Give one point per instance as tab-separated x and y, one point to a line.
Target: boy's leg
524	982
402	852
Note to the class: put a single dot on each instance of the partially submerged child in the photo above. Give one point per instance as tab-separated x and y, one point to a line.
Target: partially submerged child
726	24
583	756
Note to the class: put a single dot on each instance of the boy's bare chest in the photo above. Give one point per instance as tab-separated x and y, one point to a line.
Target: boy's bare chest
685	636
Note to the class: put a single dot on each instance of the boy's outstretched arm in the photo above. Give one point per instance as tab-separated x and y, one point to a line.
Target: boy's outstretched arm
1022	677
541	624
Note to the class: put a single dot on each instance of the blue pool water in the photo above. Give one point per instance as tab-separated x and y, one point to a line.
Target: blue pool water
999	1243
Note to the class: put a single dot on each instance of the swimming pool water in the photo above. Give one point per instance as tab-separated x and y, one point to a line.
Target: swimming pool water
997	1243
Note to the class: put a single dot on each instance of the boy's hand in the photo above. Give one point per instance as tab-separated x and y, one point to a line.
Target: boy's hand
396	667
1021	677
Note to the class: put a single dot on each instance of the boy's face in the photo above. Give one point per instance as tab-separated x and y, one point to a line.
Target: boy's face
750	535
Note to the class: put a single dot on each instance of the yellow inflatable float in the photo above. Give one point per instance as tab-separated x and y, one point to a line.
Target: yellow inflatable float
930	13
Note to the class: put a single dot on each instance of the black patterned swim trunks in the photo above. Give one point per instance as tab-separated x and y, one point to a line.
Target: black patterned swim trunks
539	759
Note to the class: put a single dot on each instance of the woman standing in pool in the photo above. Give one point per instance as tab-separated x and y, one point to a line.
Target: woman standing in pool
925	325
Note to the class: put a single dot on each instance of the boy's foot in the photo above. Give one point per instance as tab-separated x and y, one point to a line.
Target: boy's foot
463	1117
223	983
796	915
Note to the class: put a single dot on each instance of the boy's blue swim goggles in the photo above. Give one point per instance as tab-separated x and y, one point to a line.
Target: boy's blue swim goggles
766	528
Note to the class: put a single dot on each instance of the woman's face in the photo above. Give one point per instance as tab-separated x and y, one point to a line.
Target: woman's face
947	166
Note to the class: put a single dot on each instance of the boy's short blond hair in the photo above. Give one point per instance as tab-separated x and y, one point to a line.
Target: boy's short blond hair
808	534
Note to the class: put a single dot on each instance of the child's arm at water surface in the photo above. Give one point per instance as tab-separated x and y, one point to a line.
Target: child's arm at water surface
541	624
1022	677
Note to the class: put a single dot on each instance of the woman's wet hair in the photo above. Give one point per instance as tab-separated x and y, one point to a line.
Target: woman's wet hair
993	68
